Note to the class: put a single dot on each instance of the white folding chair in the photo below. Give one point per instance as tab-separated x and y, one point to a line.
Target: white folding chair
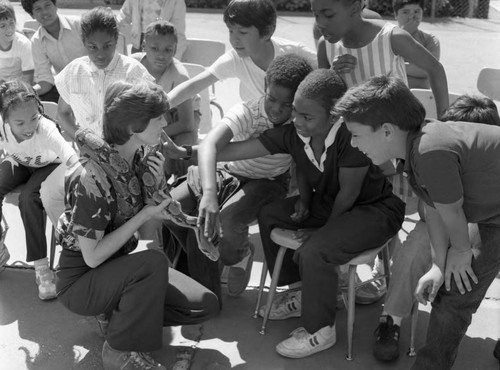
427	99
203	51
488	82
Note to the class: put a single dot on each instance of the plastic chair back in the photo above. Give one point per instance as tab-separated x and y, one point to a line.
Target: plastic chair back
427	99
206	113
488	82
203	51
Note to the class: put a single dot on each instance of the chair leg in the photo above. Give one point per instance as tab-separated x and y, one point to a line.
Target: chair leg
350	310
263	276
272	289
414	319
52	247
386	258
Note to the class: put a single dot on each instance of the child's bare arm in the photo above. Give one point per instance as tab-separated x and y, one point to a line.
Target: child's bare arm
68	123
323	61
350	181
235	151
185	122
190	88
407	47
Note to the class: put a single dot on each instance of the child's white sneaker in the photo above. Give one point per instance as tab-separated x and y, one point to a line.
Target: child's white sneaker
46	281
285	306
302	344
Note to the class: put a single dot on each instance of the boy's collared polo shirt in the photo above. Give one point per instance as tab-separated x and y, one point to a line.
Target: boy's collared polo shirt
249	120
252	77
49	52
83	86
446	161
340	153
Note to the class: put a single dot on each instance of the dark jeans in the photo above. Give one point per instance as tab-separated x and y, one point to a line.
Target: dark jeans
51	95
239	210
336	241
452	312
30	205
139	292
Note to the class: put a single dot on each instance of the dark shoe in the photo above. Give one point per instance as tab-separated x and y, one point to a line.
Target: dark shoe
239	274
118	360
387	342
496	351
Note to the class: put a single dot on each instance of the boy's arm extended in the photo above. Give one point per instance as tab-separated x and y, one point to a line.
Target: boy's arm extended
236	151
350	181
407	47
190	88
458	261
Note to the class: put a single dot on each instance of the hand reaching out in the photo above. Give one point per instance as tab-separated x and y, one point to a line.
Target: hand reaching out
209	216
428	285
458	265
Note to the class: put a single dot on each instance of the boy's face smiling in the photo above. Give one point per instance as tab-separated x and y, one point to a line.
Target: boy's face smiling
101	48
333	18
246	41
7	31
373	143
160	50
310	118
409	17
278	103
45	12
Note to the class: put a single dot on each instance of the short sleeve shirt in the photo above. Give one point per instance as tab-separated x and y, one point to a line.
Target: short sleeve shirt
339	153
249	120
16	60
453	160
251	76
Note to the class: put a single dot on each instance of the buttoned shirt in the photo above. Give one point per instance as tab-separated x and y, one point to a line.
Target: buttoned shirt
83	86
50	52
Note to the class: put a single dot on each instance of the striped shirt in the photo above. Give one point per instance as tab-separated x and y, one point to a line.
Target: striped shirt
374	59
82	85
248	120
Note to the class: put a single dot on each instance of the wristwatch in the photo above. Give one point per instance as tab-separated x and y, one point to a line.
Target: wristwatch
189	152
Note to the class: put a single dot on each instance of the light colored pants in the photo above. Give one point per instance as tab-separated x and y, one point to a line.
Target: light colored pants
52	193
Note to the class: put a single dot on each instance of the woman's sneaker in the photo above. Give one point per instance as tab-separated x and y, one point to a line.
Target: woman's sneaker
302	344
285	306
46	281
118	360
387	342
4	255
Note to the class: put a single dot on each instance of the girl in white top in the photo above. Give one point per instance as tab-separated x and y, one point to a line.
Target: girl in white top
15	49
33	148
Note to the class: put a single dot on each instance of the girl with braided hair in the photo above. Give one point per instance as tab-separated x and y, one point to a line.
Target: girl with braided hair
33	148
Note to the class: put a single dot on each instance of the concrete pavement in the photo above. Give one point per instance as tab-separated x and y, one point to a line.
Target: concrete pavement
44	335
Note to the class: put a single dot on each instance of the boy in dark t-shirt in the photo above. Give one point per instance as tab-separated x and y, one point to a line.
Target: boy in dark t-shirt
350	194
453	167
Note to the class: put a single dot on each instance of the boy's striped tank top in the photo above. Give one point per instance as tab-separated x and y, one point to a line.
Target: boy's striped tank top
374	59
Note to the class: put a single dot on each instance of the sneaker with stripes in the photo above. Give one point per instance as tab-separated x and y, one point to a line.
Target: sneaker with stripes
285	306
302	344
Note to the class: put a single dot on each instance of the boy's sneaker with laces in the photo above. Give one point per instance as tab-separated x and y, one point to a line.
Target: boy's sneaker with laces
302	344
285	306
387	343
118	360
46	281
4	255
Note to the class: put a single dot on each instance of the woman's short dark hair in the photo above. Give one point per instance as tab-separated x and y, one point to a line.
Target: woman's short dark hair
28	5
99	19
6	10
129	107
247	13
